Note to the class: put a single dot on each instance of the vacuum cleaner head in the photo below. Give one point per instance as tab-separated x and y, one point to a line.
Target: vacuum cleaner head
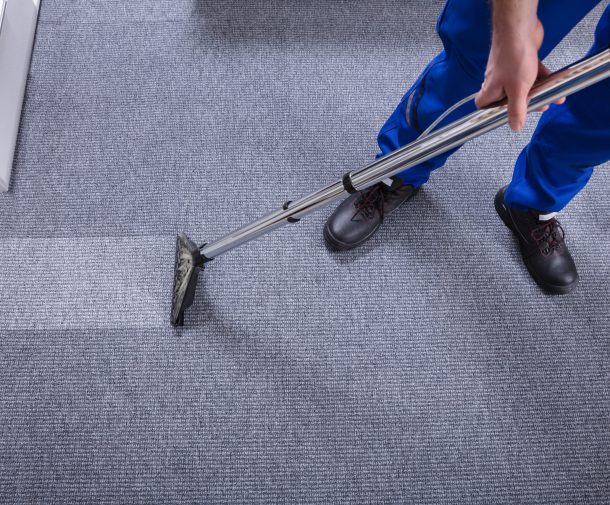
189	262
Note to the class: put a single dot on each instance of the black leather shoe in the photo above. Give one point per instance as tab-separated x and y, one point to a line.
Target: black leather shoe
358	217
542	247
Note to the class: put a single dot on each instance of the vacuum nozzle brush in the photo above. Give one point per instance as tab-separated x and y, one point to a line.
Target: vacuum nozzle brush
189	262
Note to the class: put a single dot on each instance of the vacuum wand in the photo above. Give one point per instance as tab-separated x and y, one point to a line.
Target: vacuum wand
190	259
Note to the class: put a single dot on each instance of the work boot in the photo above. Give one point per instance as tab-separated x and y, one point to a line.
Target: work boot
359	216
543	249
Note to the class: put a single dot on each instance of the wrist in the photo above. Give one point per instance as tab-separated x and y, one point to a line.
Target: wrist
514	43
522	28
518	38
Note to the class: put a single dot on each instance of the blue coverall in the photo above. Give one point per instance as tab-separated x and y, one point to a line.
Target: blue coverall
570	139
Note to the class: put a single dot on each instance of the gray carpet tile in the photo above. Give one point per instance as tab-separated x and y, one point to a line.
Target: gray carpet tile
425	367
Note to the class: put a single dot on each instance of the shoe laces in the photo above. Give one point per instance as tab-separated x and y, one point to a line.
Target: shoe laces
548	236
369	201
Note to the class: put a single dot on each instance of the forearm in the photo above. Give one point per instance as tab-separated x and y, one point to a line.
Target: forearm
513	19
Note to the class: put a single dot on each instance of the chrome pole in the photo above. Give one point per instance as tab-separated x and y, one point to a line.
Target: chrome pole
567	81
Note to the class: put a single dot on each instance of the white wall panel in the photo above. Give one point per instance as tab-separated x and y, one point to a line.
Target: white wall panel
16	38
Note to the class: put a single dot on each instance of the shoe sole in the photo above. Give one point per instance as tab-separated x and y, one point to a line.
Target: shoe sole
337	245
547	286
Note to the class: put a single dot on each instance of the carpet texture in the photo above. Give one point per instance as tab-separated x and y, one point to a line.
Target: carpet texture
426	367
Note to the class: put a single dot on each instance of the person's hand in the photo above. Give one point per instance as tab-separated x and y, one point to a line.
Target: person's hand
512	69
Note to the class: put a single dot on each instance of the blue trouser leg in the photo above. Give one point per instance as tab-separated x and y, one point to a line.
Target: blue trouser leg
569	141
458	71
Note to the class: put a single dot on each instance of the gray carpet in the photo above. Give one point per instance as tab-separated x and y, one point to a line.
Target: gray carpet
424	368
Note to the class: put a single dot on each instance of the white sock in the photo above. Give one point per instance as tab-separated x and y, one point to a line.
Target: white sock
546	217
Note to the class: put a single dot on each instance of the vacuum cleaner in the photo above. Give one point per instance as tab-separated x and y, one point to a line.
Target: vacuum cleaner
191	258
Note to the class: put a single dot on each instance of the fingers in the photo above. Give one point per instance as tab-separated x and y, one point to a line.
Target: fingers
517	91
544	71
488	94
517	106
544	108
517	102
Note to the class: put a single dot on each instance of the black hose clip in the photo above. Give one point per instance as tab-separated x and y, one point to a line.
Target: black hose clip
290	219
347	184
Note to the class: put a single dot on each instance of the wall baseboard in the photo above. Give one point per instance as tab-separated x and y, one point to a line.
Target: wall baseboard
17	30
